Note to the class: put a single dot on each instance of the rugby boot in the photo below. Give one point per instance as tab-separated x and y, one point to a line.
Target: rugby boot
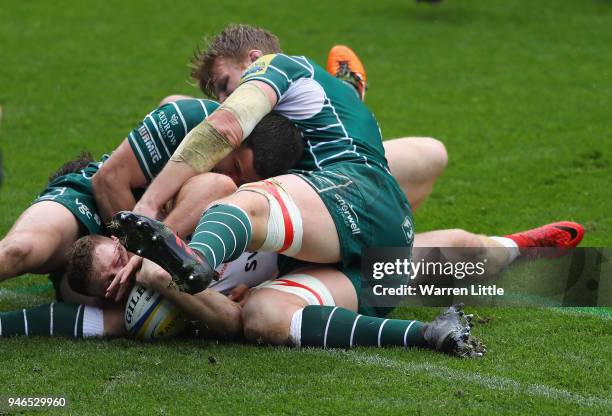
561	235
153	240
345	65
450	332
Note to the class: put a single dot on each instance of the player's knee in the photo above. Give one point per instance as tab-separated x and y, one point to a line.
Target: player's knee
254	205
461	238
172	98
15	250
214	183
264	322
436	155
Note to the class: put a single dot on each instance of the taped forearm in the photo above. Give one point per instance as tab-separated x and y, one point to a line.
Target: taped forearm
249	104
214	138
202	148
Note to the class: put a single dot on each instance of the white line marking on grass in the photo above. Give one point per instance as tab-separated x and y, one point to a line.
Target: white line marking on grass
596	312
454	376
493	382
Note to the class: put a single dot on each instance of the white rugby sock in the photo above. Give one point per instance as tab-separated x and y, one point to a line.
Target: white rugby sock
295	330
510	244
93	322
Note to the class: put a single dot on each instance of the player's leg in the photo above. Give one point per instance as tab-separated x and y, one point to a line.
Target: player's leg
269	309
193	198
416	163
317	307
282	215
498	252
288	216
39	241
63	319
457	245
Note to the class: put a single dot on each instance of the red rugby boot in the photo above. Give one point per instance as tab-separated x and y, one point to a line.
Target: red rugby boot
345	65
562	235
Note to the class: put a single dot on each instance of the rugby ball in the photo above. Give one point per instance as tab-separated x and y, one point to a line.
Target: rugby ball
149	316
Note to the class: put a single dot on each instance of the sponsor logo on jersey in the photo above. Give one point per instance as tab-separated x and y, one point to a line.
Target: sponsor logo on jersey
166	126
351	220
408	229
83	209
150	144
258	67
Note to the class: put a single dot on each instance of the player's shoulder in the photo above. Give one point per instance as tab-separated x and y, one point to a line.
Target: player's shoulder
187	110
279	64
187	105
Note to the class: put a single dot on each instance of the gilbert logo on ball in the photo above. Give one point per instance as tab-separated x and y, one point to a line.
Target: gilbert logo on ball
149	316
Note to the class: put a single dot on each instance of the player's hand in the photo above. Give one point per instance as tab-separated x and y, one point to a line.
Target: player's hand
153	276
123	280
239	294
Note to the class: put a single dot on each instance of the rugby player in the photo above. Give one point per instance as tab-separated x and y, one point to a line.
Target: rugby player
40	239
455	312
94	260
341	199
66	209
415	162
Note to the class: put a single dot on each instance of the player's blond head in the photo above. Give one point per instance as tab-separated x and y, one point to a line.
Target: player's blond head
234	42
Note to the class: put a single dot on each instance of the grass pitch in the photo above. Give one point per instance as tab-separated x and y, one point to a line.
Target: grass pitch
519	92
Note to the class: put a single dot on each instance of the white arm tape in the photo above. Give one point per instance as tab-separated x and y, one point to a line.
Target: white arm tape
249	104
202	148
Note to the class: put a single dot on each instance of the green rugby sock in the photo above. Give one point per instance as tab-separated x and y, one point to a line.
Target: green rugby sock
54	319
334	327
222	235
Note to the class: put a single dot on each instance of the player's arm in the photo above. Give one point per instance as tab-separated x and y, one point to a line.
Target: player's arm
209	142
114	181
218	312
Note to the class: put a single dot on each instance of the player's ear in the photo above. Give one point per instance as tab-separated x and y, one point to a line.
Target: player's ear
255	54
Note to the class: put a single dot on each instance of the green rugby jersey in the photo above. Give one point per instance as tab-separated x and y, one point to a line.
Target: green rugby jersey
336	125
156	138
